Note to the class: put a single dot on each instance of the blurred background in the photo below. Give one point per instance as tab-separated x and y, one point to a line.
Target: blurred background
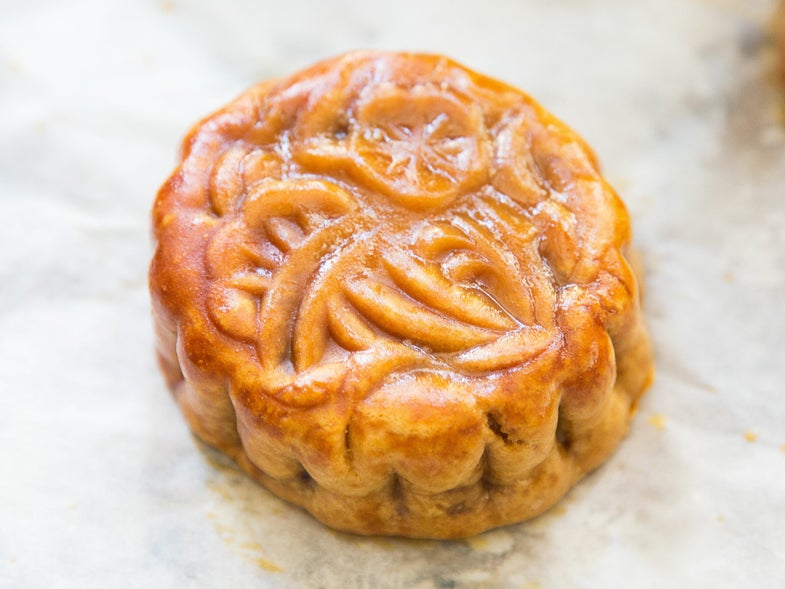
100	481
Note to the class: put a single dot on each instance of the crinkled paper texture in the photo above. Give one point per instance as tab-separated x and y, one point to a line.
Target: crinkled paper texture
101	483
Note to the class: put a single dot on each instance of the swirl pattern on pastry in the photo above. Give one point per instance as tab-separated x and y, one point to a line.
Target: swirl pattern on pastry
396	292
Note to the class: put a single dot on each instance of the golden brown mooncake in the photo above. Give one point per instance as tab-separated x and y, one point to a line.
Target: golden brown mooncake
395	292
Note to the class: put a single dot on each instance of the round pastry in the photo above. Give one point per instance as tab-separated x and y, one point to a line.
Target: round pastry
395	292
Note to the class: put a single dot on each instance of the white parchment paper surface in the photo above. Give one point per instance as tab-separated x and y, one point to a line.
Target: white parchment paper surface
101	484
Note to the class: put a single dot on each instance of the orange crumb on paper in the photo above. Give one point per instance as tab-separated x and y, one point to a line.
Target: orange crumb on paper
728	277
478	543
720	519
750	436
782	448
268	566
167	6
220	487
658	420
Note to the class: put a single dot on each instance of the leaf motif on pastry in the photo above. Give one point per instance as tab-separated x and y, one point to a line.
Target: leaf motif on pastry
261	259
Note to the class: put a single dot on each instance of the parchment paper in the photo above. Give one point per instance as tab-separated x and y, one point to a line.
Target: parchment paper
101	484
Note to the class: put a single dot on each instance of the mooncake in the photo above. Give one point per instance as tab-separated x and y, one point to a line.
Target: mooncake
398	293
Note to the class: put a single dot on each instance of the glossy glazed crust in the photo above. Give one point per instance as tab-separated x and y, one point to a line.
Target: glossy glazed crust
396	293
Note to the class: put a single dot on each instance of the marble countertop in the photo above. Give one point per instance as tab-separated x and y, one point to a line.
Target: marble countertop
100	482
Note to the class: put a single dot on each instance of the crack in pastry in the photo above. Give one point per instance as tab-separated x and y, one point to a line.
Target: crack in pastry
395	291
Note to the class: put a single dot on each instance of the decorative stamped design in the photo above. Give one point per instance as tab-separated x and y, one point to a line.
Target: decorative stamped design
421	146
422	239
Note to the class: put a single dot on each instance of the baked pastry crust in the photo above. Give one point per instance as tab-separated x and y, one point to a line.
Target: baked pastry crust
395	292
